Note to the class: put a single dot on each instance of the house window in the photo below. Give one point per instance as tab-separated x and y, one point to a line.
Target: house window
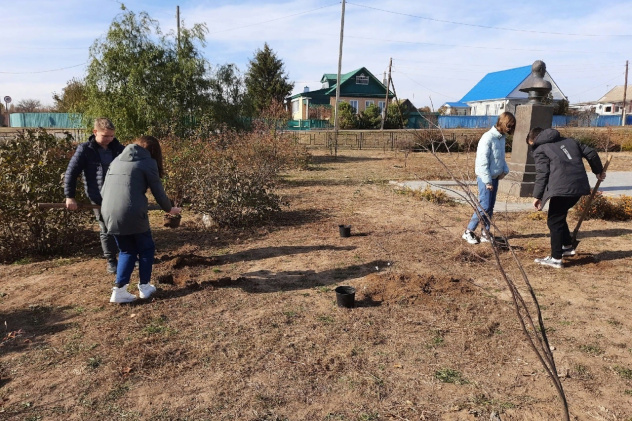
354	104
380	105
294	107
486	109
608	109
362	80
367	104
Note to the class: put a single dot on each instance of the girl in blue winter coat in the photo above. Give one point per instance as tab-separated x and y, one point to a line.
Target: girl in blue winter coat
490	168
124	210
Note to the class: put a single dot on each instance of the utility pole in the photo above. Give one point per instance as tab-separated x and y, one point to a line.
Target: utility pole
342	31
388	86
625	92
178	18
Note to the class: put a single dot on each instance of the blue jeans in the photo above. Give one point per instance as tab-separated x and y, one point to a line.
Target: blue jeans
487	199
131	248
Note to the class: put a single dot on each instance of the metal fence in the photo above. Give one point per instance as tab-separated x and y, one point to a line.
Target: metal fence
486	121
46	120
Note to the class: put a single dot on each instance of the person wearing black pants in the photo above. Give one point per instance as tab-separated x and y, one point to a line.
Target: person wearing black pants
561	177
558	227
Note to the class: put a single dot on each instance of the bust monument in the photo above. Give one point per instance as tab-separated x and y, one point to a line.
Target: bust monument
535	85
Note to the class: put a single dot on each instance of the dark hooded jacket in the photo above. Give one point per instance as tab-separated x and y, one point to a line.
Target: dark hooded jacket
124	208
559	167
87	160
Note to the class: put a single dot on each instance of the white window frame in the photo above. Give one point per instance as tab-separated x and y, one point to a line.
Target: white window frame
380	105
362	79
368	103
355	107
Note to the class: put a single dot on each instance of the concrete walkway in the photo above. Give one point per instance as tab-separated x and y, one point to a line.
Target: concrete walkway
616	184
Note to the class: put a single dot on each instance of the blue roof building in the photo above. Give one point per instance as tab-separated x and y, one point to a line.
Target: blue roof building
498	92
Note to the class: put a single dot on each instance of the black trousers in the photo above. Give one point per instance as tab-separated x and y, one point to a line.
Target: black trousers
556	221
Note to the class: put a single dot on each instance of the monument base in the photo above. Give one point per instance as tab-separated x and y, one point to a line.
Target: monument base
521	178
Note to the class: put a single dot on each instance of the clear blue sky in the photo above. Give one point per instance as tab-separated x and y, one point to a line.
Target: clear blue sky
440	49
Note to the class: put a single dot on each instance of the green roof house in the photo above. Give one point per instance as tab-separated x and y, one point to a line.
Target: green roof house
359	88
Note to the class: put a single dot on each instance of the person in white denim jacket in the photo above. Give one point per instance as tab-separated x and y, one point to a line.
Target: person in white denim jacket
490	168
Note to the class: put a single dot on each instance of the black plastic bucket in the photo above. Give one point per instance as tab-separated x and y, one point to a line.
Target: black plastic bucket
345	230
345	296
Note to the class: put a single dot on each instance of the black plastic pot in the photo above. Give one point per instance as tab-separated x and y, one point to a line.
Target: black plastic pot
345	296
345	230
170	221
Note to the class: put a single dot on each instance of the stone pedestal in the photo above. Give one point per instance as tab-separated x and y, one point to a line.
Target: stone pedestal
520	180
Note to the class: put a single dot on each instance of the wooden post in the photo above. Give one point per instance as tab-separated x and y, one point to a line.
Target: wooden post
342	30
625	92
388	84
178	18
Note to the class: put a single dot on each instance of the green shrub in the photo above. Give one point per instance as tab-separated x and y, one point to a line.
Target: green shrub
231	177
32	168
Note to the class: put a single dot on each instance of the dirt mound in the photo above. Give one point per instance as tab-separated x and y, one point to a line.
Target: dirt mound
412	289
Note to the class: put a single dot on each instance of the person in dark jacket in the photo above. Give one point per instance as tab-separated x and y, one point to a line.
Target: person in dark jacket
124	210
561	178
93	158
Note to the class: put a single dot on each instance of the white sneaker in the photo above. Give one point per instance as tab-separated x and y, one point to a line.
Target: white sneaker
485	238
568	251
470	237
550	261
121	295
145	290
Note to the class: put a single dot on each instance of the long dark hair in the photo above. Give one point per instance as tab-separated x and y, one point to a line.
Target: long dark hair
153	146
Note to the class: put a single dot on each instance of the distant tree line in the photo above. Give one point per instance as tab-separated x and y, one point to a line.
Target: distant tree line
142	79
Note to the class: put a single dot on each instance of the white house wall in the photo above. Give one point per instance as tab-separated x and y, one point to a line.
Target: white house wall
555	91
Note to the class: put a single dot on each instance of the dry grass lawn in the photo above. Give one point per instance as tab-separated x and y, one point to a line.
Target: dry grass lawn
245	326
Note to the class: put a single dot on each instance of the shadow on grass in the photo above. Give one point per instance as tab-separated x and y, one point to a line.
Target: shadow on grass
598	257
264	281
328	159
27	327
608	233
319	182
182	260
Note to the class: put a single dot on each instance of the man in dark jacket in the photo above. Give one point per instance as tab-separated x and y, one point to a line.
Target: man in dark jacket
561	177
93	158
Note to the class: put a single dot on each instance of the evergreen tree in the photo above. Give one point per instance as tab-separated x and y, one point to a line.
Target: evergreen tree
266	81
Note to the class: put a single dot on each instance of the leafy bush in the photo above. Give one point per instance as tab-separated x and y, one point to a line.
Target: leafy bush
610	209
231	177
32	167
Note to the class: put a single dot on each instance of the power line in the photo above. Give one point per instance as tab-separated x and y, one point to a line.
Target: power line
498	28
479	47
43	71
274	20
425	87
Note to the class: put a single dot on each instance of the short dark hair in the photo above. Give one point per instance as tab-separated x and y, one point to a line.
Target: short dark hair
533	133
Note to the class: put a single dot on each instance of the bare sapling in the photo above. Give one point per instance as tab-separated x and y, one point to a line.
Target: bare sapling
534	331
